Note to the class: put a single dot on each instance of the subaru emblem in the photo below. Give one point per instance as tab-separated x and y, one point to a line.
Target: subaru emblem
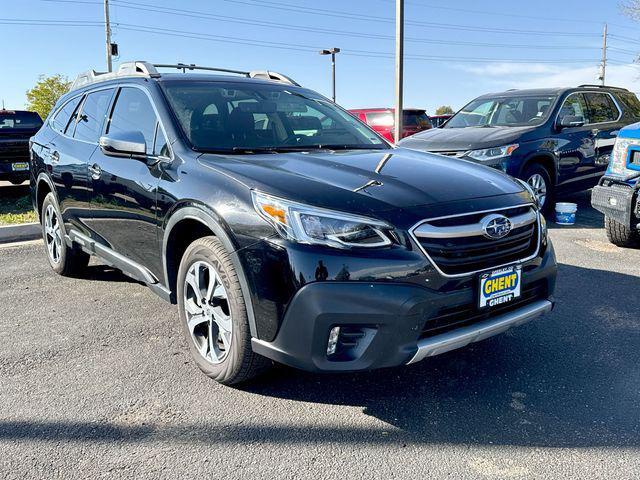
495	226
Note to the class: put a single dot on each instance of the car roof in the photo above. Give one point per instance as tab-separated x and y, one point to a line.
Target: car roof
550	91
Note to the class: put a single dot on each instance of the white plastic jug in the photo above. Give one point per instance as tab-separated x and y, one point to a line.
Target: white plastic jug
566	213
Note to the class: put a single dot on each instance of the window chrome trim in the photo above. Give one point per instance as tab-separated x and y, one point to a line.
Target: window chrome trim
467	274
582	92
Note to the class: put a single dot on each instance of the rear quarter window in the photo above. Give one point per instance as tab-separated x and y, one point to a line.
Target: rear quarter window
631	103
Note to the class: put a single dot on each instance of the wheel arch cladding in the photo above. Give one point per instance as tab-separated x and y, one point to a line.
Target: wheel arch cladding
186	225
545	160
43	188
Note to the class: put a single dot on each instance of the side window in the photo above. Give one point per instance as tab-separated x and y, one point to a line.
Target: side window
574	106
160	145
91	118
133	112
601	108
632	103
61	120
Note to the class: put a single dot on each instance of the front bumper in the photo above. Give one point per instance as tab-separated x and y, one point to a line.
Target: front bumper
389	321
617	200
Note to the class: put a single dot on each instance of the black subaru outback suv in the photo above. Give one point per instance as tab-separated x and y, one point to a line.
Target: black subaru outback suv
283	227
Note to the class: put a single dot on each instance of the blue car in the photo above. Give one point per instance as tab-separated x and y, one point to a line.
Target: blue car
556	139
617	193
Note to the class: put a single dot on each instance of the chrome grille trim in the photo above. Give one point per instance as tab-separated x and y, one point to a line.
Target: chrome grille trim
412	234
426	230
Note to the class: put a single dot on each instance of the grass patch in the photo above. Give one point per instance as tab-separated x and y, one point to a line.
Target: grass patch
15	210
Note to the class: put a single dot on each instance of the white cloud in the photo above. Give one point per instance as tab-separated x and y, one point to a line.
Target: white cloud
538	75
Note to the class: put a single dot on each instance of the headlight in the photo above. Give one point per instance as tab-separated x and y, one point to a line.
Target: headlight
305	224
494	153
618	162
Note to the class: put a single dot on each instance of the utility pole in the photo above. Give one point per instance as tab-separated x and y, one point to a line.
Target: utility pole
107	31
603	65
332	52
399	69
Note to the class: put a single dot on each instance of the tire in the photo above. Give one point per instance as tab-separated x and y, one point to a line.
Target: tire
620	234
211	306
534	174
64	260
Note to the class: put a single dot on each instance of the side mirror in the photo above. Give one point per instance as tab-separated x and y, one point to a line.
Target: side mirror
124	144
571	121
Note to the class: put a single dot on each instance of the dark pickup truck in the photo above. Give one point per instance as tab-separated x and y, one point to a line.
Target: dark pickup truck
16	128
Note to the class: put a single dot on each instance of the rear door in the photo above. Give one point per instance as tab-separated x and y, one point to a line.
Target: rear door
67	153
124	189
605	117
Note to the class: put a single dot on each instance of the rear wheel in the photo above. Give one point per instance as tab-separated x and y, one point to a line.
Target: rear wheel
539	180
64	260
620	234
213	314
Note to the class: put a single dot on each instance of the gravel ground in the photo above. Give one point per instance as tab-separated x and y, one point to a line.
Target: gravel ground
96	381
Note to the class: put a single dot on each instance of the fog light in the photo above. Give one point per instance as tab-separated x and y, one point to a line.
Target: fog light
334	335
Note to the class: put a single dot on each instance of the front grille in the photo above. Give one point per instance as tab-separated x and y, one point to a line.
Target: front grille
460	255
450	318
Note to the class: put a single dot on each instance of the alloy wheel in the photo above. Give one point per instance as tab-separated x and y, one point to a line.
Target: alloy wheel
206	305
539	186
53	234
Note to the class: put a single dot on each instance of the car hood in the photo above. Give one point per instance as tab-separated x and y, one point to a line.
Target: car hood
362	181
469	138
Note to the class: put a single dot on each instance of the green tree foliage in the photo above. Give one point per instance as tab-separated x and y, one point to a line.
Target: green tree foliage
444	110
46	92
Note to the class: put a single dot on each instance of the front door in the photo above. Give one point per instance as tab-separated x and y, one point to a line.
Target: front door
576	145
124	189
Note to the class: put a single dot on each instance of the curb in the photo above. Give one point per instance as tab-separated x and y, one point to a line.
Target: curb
20	233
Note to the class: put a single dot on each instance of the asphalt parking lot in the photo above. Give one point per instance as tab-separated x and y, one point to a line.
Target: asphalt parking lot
96	381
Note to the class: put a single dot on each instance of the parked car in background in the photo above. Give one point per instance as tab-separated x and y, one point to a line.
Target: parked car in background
381	120
16	128
438	120
282	226
556	139
617	194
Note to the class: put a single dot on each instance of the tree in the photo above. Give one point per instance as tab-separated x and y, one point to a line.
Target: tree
631	8
46	92
444	110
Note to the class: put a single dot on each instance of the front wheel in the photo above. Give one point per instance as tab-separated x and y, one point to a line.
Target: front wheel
540	182
620	234
64	260
213	314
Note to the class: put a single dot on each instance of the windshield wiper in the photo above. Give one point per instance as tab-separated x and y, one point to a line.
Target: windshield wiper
257	150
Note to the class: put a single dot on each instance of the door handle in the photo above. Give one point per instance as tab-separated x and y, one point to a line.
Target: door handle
595	132
95	171
54	157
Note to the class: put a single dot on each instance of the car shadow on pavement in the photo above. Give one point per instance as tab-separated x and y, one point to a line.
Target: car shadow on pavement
106	273
570	379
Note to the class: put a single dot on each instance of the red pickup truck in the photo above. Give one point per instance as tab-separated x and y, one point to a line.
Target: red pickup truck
414	120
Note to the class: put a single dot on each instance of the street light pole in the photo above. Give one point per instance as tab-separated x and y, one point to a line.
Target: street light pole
332	52
399	69
107	29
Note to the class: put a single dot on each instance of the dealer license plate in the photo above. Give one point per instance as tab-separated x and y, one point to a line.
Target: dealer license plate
500	286
19	166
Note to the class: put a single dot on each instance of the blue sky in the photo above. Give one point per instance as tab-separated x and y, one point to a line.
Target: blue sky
455	49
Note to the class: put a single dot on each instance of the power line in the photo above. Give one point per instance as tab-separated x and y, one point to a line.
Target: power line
206	15
306	47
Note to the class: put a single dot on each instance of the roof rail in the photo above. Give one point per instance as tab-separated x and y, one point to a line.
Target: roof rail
146	69
126	69
591	85
263	74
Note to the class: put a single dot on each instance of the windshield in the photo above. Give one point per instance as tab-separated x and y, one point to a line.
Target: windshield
19	120
516	111
251	117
